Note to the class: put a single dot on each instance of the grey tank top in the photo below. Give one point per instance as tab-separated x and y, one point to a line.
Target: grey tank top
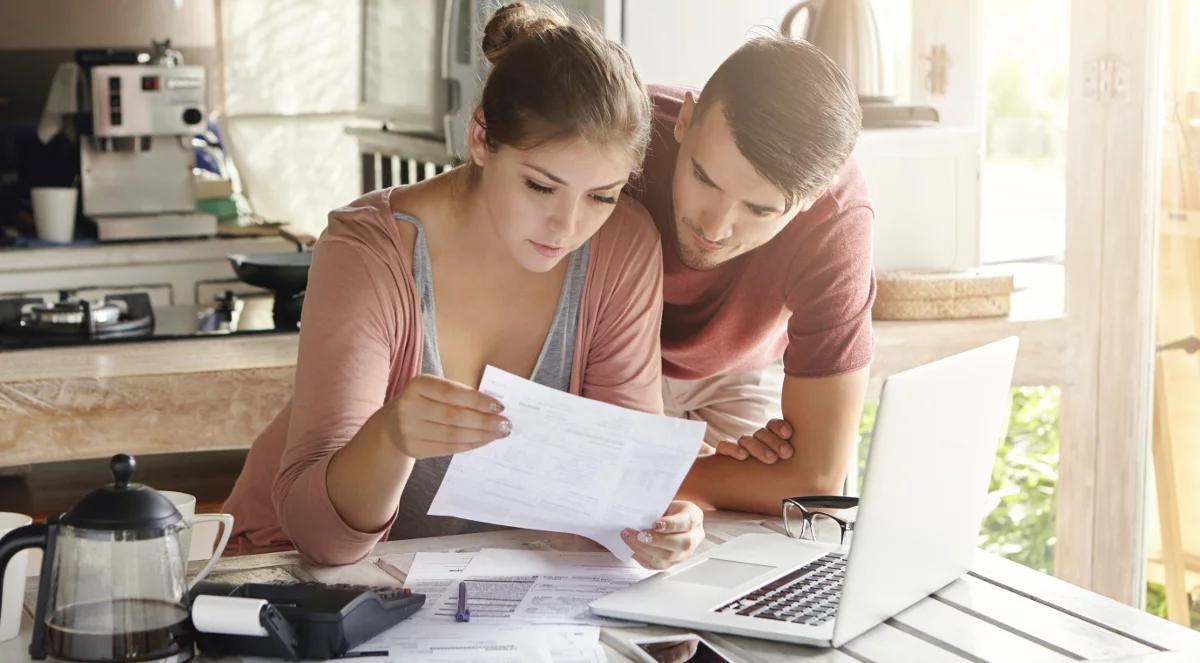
552	369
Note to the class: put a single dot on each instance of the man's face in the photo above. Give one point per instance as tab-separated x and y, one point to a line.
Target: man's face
723	207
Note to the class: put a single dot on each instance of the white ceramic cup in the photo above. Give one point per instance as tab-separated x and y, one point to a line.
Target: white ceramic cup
200	547
14	579
54	212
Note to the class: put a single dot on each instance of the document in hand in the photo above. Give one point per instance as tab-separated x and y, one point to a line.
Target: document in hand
570	465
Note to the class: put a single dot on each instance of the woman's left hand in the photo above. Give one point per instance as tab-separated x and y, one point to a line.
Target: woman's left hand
672	539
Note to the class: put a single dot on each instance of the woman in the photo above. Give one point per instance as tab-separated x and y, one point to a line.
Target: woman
504	245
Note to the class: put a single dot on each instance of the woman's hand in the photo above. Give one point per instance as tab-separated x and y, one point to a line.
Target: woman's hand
438	417
672	539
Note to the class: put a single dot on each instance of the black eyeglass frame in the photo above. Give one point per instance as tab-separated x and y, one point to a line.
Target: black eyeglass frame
806	502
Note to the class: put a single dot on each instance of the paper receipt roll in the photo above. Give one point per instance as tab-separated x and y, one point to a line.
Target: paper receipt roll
229	615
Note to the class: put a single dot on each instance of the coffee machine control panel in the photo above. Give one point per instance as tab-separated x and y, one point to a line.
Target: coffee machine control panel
147	100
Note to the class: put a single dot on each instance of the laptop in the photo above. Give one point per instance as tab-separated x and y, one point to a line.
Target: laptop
923	497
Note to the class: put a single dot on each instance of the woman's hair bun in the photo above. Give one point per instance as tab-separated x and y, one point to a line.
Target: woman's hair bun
514	22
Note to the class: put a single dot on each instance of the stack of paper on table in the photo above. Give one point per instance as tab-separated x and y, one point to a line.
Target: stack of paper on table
570	465
524	604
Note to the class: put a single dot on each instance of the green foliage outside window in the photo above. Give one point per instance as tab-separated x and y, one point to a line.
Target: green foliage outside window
1020	520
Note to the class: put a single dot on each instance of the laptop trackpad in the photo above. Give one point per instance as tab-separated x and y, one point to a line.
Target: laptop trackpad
721	572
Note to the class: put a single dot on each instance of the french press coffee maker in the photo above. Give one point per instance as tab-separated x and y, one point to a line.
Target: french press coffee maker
113	586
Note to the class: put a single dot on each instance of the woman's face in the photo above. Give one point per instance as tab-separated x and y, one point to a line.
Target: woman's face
546	201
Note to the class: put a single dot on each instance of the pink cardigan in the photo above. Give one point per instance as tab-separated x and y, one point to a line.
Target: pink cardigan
361	342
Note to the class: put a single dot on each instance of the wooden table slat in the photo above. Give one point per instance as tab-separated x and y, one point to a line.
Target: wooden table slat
1101	610
751	650
950	627
1160	657
888	643
1019	614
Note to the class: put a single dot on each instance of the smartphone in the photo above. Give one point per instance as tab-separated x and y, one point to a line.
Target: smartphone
685	647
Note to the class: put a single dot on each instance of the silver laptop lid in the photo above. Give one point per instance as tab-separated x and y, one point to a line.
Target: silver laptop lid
925	488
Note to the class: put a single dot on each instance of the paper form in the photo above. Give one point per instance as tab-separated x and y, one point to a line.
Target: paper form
570	465
433	574
531	606
488	643
489	599
547	588
506	561
564	582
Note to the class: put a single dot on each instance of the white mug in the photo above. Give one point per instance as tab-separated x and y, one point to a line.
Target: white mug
54	212
202	548
14	579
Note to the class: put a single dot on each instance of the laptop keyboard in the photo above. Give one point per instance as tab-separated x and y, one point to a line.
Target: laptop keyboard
809	595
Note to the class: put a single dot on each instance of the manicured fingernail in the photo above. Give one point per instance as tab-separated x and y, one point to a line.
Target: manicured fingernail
496	405
506	426
786	430
771	458
742	455
628	533
659	526
645	537
785	452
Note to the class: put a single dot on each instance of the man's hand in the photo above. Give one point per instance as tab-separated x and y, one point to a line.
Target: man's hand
823	415
768	444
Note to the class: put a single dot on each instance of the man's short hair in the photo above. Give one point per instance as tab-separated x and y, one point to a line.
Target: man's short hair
793	113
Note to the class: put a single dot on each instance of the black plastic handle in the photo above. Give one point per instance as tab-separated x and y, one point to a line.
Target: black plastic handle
29	536
122	466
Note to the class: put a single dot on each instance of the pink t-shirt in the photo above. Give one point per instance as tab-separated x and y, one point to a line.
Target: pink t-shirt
360	344
805	295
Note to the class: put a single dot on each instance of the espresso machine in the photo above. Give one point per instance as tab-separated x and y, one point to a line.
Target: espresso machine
136	122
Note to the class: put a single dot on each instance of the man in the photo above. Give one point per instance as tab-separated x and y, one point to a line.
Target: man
768	284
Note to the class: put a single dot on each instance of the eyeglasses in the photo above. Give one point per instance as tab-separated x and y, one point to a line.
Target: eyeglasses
801	522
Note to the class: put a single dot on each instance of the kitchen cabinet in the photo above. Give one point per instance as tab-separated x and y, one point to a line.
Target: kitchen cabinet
924	185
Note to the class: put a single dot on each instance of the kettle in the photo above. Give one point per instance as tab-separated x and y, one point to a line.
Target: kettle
113	583
847	32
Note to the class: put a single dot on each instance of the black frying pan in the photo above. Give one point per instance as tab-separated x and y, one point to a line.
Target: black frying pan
281	272
284	273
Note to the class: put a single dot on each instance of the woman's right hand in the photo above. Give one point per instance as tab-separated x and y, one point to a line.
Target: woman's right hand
439	417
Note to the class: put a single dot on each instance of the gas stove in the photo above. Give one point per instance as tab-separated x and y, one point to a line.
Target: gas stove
33	322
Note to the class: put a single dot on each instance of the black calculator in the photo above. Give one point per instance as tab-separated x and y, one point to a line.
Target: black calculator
309	620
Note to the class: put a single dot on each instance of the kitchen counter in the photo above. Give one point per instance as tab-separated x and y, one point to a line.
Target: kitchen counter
166	396
218	393
24	259
175	357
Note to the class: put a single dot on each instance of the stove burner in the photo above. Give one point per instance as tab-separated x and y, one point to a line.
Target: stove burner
70	311
117	316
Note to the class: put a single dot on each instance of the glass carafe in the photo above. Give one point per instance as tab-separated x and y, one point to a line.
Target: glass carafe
113	585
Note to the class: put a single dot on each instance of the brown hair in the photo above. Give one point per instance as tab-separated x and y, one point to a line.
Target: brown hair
793	113
551	80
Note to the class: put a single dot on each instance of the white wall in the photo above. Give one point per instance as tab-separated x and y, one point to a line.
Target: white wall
291	86
70	24
658	32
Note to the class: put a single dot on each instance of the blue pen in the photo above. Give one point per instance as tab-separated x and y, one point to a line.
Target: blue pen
463	614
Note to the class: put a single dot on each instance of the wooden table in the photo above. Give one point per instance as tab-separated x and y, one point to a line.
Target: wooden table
1001	611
